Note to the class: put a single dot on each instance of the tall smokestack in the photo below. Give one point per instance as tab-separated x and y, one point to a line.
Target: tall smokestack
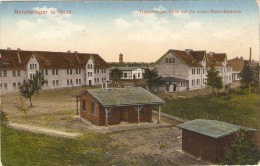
250	55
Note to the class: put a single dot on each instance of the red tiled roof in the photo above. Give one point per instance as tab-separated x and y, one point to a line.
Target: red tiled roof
236	63
198	55
10	59
211	61
186	58
57	60
219	57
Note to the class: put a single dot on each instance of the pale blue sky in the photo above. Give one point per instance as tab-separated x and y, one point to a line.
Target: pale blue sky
111	28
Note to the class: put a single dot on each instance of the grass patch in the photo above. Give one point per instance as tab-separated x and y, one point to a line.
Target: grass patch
242	110
25	148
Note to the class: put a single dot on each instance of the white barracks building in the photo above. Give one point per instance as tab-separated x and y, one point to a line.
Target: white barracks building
61	69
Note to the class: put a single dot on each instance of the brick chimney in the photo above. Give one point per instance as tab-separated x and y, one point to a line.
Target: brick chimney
121	58
250	55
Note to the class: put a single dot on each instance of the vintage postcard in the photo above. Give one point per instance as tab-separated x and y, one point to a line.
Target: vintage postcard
129	82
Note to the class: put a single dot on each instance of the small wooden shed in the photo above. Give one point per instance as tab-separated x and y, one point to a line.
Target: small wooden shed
111	106
207	139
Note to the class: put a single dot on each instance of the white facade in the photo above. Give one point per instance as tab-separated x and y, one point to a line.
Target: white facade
11	79
131	73
170	65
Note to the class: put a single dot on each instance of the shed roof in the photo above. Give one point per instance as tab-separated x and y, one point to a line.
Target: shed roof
127	68
124	96
211	128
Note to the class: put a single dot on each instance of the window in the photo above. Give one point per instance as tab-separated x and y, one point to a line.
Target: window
0	73
125	75
5	86
105	70
68	82
203	70
35	66
53	82
46	71
198	70
14	73
53	72
138	75
68	71
71	83
30	66
76	81
5	73
166	60
93	108
193	82
97	80
198	81
14	85
1	86
57	71
76	71
79	71
79	81
83	105
57	82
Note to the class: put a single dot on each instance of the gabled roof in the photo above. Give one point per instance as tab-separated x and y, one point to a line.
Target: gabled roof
211	128
211	61
47	59
198	55
219	57
124	96
182	56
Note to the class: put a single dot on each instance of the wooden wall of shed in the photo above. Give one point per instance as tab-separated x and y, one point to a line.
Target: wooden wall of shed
199	145
126	113
205	147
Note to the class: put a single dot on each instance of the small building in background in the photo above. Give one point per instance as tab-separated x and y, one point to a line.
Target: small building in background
237	65
112	106
121	58
131	73
207	139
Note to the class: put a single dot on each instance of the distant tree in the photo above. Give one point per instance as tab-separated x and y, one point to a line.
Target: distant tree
242	150
247	76
152	78
30	86
116	75
213	79
22	106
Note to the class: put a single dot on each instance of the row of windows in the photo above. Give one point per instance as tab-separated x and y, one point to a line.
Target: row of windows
33	66
90	66
170	60
70	71
195	82
199	70
134	76
16	73
55	82
5	85
89	74
102	71
70	81
97	79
